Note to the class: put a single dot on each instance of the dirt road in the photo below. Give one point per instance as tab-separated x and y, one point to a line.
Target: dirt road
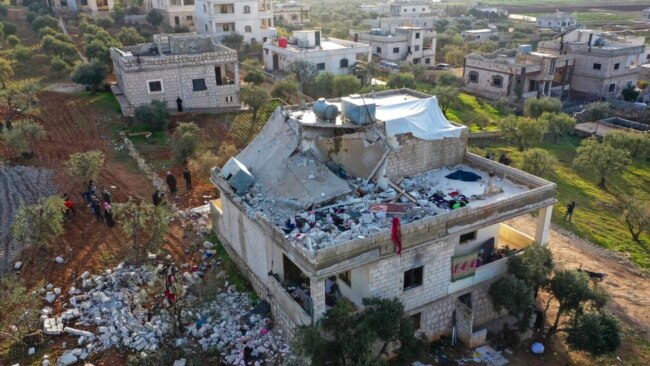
628	285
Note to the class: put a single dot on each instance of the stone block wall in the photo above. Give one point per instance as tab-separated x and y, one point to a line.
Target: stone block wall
386	277
416	156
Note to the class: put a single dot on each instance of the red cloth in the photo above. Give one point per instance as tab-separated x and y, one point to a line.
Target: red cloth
68	204
397	236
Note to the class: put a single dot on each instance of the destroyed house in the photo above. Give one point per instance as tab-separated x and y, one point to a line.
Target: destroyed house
374	196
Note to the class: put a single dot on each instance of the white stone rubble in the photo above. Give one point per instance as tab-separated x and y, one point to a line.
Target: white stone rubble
113	304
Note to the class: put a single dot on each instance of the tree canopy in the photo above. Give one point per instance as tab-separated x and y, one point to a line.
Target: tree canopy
254	97
559	124
40	223
85	166
538	161
185	141
90	74
154	115
534	107
23	135
600	158
523	131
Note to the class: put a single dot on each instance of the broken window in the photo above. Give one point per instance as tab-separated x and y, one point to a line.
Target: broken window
199	85
417	320
413	278
155	86
473	77
464	238
346	277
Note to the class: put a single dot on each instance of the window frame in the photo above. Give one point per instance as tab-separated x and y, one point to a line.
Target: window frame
469	77
497	77
162	87
617	66
346	277
395	49
320	66
611	88
593	66
415	276
378	50
205	85
247	9
467	237
344	63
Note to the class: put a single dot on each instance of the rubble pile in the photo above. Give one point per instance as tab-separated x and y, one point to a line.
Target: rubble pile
114	310
370	208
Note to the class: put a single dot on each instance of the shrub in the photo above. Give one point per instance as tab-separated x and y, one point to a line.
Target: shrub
535	107
43	21
85	166
538	161
105	22
58	66
13	41
90	74
154	115
185	140
9	28
254	76
47	31
22	54
129	36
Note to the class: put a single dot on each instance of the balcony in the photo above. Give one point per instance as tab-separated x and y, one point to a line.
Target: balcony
509	242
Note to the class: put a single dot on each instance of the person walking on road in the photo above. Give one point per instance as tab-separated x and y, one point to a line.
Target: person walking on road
188	178
171	183
569	210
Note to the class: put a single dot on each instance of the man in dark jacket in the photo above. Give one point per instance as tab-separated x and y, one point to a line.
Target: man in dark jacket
157	198
188	178
171	183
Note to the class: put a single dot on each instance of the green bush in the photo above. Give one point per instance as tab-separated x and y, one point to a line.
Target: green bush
13	41
22	53
10	28
154	115
43	21
58	66
47	31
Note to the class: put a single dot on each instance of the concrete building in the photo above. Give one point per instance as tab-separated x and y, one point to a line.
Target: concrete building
646	15
409	8
177	12
195	68
407	45
291	12
328	54
92	7
604	63
380	8
516	75
558	21
480	35
251	18
296	220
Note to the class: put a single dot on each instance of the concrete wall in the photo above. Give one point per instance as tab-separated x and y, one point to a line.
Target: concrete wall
416	156
176	80
596	82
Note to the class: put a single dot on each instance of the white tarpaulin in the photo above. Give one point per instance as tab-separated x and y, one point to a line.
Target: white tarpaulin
422	117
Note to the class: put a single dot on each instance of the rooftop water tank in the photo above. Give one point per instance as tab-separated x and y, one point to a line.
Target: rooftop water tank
283	42
324	110
357	111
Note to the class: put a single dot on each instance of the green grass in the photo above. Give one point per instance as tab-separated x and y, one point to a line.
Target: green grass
599	214
469	107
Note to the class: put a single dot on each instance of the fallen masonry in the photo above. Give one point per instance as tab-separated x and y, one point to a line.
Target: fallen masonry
112	310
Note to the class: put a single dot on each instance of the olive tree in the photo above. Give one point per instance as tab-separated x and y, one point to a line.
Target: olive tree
18	99
600	158
536	107
40	223
538	161
254	97
522	131
559	124
85	166
20	311
185	141
23	135
90	74
637	217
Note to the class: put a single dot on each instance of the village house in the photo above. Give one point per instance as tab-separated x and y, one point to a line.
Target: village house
480	35
253	19
193	69
291	12
406	45
646	15
516	75
178	13
92	7
605	63
327	54
558	21
379	200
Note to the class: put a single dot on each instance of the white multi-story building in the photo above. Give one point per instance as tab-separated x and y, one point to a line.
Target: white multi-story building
328	54
409	8
480	35
291	12
251	18
177	12
559	21
93	7
406	45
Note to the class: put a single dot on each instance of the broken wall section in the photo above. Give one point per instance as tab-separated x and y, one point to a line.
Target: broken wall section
359	153
412	156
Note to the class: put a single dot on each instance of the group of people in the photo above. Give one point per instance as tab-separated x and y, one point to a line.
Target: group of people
101	209
159	197
503	159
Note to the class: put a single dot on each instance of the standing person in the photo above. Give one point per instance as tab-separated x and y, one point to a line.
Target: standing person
69	206
96	208
92	188
188	178
106	195
569	210
171	183
108	213
157	198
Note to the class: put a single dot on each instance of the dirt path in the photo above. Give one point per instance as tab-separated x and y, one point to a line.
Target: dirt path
628	285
